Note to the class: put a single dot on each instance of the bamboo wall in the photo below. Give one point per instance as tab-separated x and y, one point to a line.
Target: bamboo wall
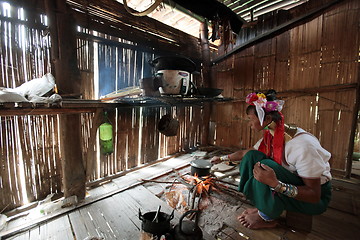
137	140
31	158
30	166
313	66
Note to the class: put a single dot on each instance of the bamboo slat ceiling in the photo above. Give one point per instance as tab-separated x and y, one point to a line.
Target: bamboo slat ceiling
174	15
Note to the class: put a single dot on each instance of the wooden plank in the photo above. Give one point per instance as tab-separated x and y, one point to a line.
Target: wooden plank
73	169
34	233
116	216
58	228
83	223
133	139
137	195
80	225
324	224
94	221
21	236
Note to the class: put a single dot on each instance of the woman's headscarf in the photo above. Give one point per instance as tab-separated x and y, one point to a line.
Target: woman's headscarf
272	146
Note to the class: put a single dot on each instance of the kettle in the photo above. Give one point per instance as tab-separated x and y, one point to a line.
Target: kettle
188	230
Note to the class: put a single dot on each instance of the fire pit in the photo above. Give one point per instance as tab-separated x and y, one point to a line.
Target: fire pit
211	196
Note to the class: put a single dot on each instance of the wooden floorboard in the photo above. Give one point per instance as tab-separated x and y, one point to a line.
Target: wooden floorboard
111	211
21	236
117	219
79	225
34	233
104	191
57	229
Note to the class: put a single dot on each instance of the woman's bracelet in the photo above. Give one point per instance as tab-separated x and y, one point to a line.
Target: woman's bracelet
286	189
225	158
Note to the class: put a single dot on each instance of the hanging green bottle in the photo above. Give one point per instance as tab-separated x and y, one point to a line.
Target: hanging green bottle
106	136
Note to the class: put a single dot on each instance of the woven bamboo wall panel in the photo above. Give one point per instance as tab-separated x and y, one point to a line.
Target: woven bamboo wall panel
137	139
281	78
304	71
335	114
340	35
264	72
243	75
306	38
314	68
30	159
301	110
30	163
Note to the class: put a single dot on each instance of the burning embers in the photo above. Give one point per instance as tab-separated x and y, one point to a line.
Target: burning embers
193	192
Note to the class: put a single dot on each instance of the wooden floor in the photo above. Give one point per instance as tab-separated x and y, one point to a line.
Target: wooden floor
111	212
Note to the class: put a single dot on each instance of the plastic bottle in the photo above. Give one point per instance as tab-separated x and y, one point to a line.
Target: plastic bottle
106	136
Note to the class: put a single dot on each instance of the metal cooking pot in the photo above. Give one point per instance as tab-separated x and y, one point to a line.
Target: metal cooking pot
188	230
156	222
168	125
200	167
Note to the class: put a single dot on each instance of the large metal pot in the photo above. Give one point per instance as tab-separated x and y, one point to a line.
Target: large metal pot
156	222
200	167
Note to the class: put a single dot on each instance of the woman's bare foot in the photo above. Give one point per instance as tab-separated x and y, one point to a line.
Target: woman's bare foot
248	211
251	219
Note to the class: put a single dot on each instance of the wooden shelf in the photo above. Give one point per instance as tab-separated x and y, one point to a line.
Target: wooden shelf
86	106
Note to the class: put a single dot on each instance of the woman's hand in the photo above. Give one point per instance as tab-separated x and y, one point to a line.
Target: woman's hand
265	174
215	160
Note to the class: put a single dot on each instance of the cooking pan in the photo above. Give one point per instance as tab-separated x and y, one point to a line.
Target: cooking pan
200	167
173	63
209	92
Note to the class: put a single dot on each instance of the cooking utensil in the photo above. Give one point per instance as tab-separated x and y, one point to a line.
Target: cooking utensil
157	215
168	125
159	227
200	167
188	230
173	63
209	92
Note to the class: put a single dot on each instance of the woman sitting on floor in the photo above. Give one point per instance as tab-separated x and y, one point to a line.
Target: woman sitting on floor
286	170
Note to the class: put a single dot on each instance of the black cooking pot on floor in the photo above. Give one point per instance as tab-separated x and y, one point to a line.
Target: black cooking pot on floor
200	167
156	222
188	230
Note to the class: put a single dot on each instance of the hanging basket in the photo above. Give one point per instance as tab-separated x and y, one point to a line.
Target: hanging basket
168	125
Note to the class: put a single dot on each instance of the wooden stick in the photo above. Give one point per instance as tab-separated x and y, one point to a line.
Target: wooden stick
155	181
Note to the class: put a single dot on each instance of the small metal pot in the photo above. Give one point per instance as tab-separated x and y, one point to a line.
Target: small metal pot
188	230
168	125
200	167
159	227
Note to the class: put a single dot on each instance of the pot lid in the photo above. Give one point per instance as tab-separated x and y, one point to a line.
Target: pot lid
201	163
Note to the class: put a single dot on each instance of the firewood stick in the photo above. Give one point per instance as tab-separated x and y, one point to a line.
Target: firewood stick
188	185
232	184
193	197
155	181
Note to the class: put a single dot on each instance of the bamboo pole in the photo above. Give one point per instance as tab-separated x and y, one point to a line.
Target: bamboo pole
353	129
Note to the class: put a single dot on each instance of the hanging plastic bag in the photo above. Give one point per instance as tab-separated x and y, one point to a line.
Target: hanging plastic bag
106	136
